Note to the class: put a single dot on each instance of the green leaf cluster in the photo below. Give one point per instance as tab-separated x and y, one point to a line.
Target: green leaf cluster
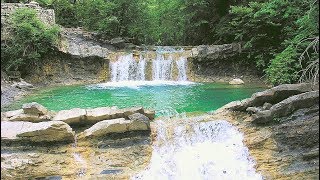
29	40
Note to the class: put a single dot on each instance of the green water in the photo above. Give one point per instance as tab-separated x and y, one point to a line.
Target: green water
165	99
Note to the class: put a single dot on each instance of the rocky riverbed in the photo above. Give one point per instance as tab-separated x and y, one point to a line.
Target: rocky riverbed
280	127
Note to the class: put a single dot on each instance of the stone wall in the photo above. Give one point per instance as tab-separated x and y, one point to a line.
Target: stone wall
46	15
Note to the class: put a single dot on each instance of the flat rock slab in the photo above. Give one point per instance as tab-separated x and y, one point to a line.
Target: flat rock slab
51	131
101	113
119	125
72	116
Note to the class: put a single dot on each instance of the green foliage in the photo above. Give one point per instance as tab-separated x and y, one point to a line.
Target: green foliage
273	33
29	40
276	34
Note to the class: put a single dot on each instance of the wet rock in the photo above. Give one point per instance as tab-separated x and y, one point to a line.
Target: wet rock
287	107
34	108
273	96
149	113
50	131
101	113
139	122
72	116
236	81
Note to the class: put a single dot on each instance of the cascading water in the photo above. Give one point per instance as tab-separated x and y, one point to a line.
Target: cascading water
162	68
126	68
199	150
182	69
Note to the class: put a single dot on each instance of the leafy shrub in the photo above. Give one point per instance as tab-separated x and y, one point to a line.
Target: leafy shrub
28	41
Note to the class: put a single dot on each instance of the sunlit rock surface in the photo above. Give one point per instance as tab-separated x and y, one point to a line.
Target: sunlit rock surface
51	131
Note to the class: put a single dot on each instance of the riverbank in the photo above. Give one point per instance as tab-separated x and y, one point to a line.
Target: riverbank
279	126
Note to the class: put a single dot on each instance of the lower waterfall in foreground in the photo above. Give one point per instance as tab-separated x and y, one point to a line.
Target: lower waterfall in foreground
199	150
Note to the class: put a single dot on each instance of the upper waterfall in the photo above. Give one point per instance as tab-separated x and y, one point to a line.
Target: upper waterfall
164	64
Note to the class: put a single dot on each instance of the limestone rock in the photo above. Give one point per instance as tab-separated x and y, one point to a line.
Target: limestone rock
102	128
30	118
9	114
101	113
236	81
119	125
34	108
253	109
50	131
266	106
3	117
72	116
124	113
287	107
273	96
149	113
139	122
138	117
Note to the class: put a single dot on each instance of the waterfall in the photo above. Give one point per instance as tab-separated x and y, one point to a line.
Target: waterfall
164	66
202	150
126	68
182	69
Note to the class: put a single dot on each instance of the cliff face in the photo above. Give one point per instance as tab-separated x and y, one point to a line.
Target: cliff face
220	62
65	69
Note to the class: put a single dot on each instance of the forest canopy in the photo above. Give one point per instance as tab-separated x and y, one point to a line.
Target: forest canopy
280	36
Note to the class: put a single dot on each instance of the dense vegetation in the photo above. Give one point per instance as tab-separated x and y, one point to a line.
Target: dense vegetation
28	41
280	36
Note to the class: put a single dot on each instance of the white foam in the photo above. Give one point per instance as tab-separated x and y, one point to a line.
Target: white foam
197	151
137	84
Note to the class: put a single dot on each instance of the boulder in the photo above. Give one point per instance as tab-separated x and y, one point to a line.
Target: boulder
138	122
102	128
30	118
119	125
149	113
51	131
9	114
34	108
287	107
138	117
236	81
101	113
72	116
273	96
